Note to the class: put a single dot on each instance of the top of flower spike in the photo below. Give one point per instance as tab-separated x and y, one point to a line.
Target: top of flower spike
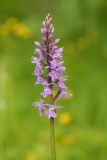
47	20
47	28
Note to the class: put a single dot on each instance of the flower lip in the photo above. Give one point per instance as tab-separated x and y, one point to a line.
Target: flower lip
37	44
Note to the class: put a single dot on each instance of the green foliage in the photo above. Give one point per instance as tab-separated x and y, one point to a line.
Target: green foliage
82	124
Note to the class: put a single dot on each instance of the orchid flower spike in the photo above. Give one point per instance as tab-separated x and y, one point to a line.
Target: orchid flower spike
48	57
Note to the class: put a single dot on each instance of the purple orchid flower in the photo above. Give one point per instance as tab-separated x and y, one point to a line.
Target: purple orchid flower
49	57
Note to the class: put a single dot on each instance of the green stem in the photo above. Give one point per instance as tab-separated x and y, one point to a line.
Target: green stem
52	133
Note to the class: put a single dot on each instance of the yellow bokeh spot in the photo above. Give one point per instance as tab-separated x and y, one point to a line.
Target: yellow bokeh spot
69	139
22	31
15	27
65	118
31	156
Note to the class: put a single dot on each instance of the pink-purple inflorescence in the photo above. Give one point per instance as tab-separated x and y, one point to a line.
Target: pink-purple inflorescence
49	69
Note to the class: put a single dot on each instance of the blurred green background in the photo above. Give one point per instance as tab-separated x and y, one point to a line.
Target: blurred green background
81	126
